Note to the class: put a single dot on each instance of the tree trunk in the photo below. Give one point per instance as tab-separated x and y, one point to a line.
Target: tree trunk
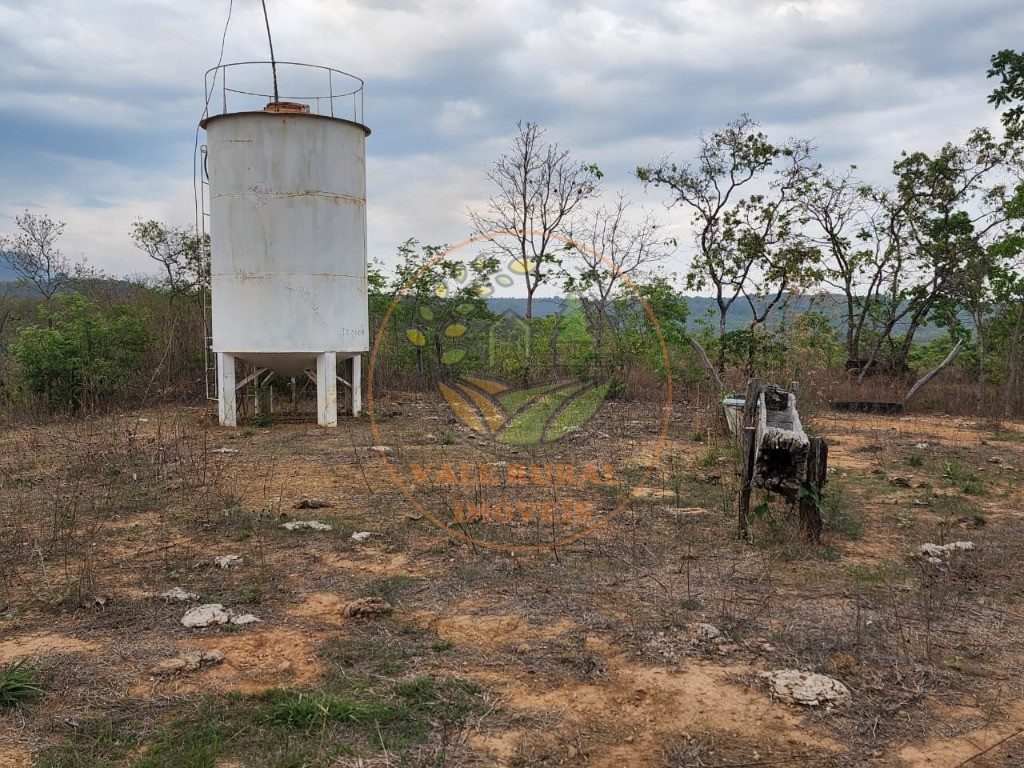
979	327
702	355
929	376
1013	363
554	346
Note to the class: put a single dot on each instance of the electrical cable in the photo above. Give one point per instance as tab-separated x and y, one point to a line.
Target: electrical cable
196	171
273	62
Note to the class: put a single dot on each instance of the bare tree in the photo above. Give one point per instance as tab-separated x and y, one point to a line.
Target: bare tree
538	187
33	254
613	248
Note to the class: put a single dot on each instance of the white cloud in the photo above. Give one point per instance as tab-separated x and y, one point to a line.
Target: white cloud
101	99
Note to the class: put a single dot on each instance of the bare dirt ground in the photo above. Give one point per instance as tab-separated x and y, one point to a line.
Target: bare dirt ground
589	653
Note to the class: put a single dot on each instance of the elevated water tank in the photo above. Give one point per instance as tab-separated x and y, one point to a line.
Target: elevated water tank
287	202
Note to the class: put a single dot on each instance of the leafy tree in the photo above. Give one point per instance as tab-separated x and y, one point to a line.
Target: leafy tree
439	299
953	204
1008	66
863	235
662	307
748	248
84	354
538	188
33	254
183	255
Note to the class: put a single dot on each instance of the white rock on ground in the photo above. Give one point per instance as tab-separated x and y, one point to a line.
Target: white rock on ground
361	536
807	688
178	595
228	561
313	525
707	633
214	613
937	552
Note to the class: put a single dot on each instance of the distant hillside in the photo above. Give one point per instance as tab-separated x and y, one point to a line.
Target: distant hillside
7	275
705	308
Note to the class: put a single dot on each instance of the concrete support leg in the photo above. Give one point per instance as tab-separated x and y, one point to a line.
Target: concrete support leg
327	389
357	386
226	389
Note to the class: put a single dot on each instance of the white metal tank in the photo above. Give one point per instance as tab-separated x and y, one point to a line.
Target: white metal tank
287	202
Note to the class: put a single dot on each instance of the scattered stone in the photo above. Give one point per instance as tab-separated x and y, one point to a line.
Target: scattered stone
902	482
413	516
806	688
523	648
313	525
365	607
214	613
972	521
312	504
188	662
224	450
361	536
707	633
942	551
228	561
178	595
205	615
921	446
380	450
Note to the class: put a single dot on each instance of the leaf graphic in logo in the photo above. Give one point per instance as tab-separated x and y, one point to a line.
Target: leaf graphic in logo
473	406
490	386
416	337
539	414
546	414
452	356
576	413
463	409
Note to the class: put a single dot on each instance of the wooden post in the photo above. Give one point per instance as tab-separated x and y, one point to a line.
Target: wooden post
817	473
749	452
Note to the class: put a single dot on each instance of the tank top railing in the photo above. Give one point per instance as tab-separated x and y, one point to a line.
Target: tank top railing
247	86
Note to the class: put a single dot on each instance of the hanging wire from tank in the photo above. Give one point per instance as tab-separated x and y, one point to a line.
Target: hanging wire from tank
273	61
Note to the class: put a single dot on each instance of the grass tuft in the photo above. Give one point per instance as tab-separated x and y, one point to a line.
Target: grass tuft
18	686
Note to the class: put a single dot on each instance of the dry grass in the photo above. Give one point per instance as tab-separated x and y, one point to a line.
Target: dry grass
583	654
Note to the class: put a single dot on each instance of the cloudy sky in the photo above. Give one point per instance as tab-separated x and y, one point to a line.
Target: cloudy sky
101	99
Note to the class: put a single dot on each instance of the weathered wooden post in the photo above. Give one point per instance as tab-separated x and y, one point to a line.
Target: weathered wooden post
778	456
810	498
749	447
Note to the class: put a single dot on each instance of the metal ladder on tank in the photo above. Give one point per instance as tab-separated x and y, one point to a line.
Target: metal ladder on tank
209	359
